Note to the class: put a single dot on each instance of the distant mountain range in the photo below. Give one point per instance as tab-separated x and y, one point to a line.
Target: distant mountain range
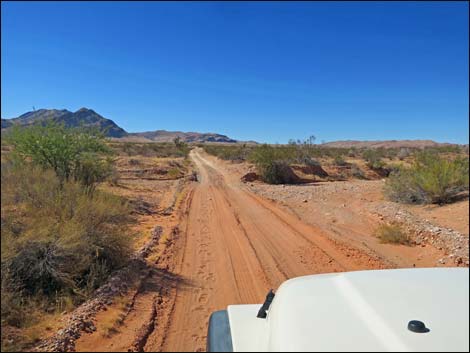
384	144
166	136
83	116
87	117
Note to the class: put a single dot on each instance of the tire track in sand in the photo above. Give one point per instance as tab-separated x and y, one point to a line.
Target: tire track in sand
237	247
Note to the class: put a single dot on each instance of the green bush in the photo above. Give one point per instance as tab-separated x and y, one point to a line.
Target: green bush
431	179
71	152
56	237
273	164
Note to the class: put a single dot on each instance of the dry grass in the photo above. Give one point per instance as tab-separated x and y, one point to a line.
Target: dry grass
40	326
115	316
392	234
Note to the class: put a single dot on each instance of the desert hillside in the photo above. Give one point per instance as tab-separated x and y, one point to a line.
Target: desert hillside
384	144
89	118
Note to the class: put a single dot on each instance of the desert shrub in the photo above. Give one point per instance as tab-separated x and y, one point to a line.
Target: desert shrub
392	234
150	149
352	153
91	170
235	153
339	161
277	172
431	179
306	159
71	152
373	158
273	164
401	186
356	172
174	173
403	153
12	308
56	237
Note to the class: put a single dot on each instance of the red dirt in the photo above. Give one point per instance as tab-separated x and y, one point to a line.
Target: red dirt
225	244
237	247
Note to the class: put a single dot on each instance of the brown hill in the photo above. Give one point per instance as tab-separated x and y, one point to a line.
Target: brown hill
384	144
88	117
169	136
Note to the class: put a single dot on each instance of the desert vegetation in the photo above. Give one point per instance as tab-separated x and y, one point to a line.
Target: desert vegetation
60	237
392	234
446	165
174	149
72	153
430	179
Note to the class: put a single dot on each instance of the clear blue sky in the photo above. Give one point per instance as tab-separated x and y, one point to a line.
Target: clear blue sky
265	71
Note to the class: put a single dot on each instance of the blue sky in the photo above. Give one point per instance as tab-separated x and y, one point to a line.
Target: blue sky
266	71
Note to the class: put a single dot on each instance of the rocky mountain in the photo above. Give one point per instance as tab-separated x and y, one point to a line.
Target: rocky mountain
168	136
82	117
88	117
384	144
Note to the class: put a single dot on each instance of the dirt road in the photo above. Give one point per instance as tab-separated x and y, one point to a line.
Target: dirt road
225	242
237	247
222	245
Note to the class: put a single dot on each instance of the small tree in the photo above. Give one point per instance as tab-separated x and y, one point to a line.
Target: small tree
76	153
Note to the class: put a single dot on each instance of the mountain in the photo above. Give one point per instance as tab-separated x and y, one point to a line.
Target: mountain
168	136
82	117
87	117
384	144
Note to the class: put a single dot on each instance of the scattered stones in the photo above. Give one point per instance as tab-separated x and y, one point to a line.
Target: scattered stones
452	242
421	230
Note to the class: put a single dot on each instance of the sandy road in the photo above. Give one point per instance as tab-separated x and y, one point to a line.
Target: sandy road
238	246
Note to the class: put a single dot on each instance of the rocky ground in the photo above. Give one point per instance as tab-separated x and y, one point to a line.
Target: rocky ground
352	210
351	202
452	242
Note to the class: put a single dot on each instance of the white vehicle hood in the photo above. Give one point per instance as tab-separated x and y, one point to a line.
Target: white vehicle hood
360	311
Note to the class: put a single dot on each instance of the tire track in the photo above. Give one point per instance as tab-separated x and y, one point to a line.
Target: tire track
237	247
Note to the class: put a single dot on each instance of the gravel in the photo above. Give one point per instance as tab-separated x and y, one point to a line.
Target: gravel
454	244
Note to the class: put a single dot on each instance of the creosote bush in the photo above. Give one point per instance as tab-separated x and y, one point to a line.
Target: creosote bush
273	164
431	179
